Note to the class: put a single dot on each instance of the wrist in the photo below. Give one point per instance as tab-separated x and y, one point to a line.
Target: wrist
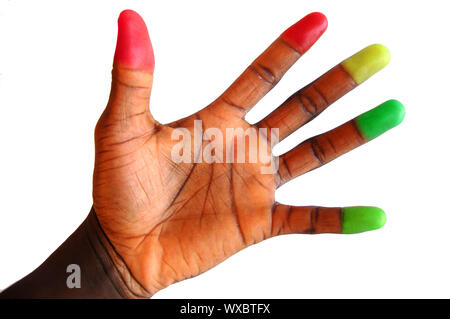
87	254
114	265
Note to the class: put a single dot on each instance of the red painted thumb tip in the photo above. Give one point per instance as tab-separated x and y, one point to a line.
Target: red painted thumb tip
134	48
303	34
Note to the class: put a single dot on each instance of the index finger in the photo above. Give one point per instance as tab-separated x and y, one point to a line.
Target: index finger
264	73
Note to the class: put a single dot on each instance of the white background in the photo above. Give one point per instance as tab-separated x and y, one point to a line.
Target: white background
55	61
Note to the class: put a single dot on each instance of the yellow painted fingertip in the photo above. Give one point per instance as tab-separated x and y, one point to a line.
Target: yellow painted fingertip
367	62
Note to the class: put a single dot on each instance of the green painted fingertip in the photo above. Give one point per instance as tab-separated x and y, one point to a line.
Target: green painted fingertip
380	119
361	219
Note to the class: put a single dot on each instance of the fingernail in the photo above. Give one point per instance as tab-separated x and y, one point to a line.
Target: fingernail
380	119
302	35
360	219
367	62
133	49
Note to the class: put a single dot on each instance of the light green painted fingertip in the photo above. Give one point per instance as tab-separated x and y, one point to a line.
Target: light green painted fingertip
361	219
365	63
380	119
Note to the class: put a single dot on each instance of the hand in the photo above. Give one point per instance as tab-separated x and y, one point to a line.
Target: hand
169	221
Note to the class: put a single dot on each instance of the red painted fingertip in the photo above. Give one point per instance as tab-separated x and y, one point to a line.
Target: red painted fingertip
133	49
302	35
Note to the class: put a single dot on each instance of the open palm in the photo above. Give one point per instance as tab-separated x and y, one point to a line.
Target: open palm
171	220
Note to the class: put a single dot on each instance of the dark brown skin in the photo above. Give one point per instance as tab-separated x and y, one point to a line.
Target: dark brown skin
154	221
173	221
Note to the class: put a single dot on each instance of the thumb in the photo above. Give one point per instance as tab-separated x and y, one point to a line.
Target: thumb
132	74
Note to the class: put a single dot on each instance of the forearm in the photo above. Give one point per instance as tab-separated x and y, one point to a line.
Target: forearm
102	272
